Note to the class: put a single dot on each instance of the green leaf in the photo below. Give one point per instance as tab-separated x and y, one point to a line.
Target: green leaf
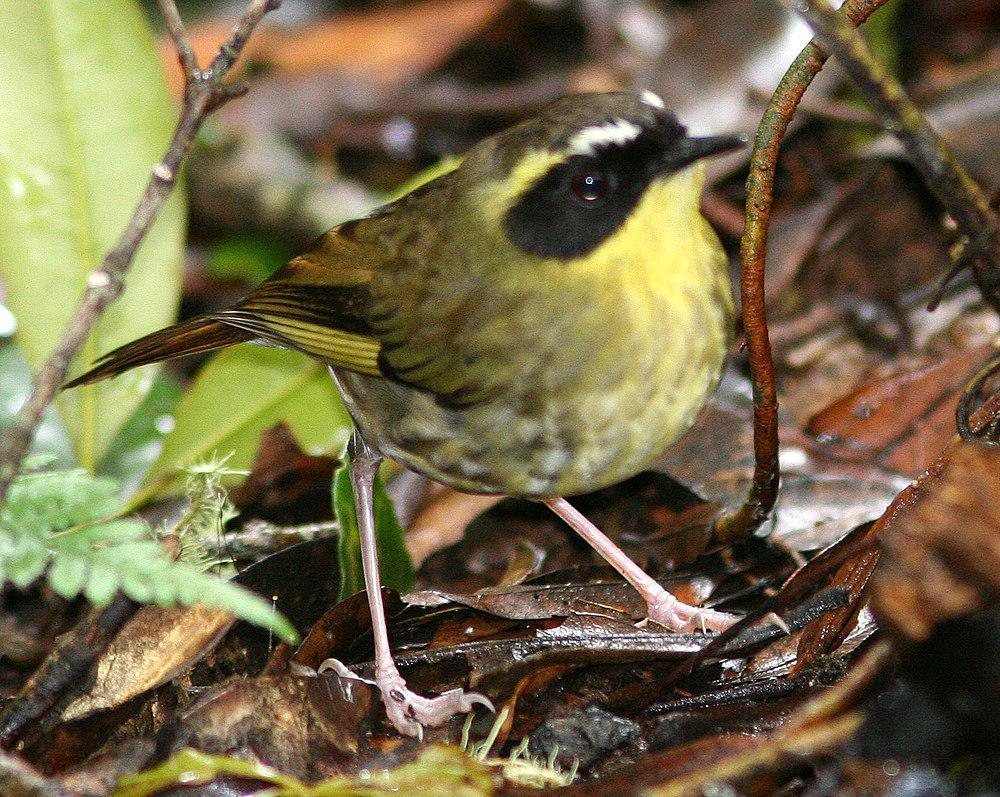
84	116
250	257
881	35
15	386
68	576
241	392
395	565
438	769
193	768
140	440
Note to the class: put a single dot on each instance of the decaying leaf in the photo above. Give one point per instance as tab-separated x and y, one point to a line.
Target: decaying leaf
942	549
900	421
442	521
155	646
307	726
286	485
383	47
826	633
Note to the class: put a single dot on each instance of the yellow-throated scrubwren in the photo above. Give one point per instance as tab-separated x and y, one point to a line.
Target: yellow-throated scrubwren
542	321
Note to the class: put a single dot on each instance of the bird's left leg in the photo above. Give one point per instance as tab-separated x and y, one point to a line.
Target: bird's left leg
407	711
661	606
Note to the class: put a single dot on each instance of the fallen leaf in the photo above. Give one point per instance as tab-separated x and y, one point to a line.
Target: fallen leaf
442	521
825	634
286	485
154	647
384	47
900	421
942	550
332	635
306	726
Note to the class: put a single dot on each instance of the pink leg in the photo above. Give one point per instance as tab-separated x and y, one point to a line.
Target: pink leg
661	606
407	711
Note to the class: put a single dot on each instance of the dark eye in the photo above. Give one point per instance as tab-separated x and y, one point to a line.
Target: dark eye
590	186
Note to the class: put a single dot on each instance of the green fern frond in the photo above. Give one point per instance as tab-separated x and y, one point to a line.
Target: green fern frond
67	526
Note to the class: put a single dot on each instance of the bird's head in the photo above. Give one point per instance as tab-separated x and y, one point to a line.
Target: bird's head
563	183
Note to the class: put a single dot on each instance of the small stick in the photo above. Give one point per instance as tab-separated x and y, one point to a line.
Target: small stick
204	92
753	248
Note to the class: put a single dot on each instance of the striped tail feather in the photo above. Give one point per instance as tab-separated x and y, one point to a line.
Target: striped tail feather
189	337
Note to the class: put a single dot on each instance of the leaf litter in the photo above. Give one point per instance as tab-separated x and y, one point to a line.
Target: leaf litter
870	607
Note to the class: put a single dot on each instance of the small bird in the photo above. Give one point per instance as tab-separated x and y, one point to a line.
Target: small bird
542	321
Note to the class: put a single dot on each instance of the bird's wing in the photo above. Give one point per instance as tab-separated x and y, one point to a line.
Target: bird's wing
318	303
382	297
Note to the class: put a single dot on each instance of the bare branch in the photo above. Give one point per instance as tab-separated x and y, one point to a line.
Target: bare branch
178	35
204	91
230	51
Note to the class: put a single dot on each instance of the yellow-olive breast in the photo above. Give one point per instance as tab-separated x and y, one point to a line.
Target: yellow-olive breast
554	313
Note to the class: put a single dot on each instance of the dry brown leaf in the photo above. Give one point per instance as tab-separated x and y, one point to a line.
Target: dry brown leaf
942	550
286	485
900	421
384	47
442	520
306	726
155	646
827	632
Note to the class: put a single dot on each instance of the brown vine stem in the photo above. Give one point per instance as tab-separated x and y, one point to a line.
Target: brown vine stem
753	248
963	199
204	92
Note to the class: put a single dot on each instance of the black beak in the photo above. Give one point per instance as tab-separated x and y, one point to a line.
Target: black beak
688	150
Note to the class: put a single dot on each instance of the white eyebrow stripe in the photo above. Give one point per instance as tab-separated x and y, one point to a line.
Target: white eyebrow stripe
620	131
655	100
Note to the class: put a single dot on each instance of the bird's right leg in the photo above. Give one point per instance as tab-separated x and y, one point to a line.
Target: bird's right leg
661	606
407	711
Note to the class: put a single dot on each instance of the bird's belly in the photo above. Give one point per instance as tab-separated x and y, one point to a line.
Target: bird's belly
538	442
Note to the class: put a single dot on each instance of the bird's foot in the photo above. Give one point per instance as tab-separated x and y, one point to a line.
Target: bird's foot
674	615
409	712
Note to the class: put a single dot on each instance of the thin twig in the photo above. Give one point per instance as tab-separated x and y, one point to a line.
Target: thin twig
971	398
179	37
944	176
753	248
204	92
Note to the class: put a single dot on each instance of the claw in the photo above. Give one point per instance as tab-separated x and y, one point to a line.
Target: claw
341	669
410	712
674	615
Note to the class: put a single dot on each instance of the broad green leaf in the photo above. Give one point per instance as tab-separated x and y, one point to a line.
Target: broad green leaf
84	116
395	566
140	440
249	257
15	385
238	394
